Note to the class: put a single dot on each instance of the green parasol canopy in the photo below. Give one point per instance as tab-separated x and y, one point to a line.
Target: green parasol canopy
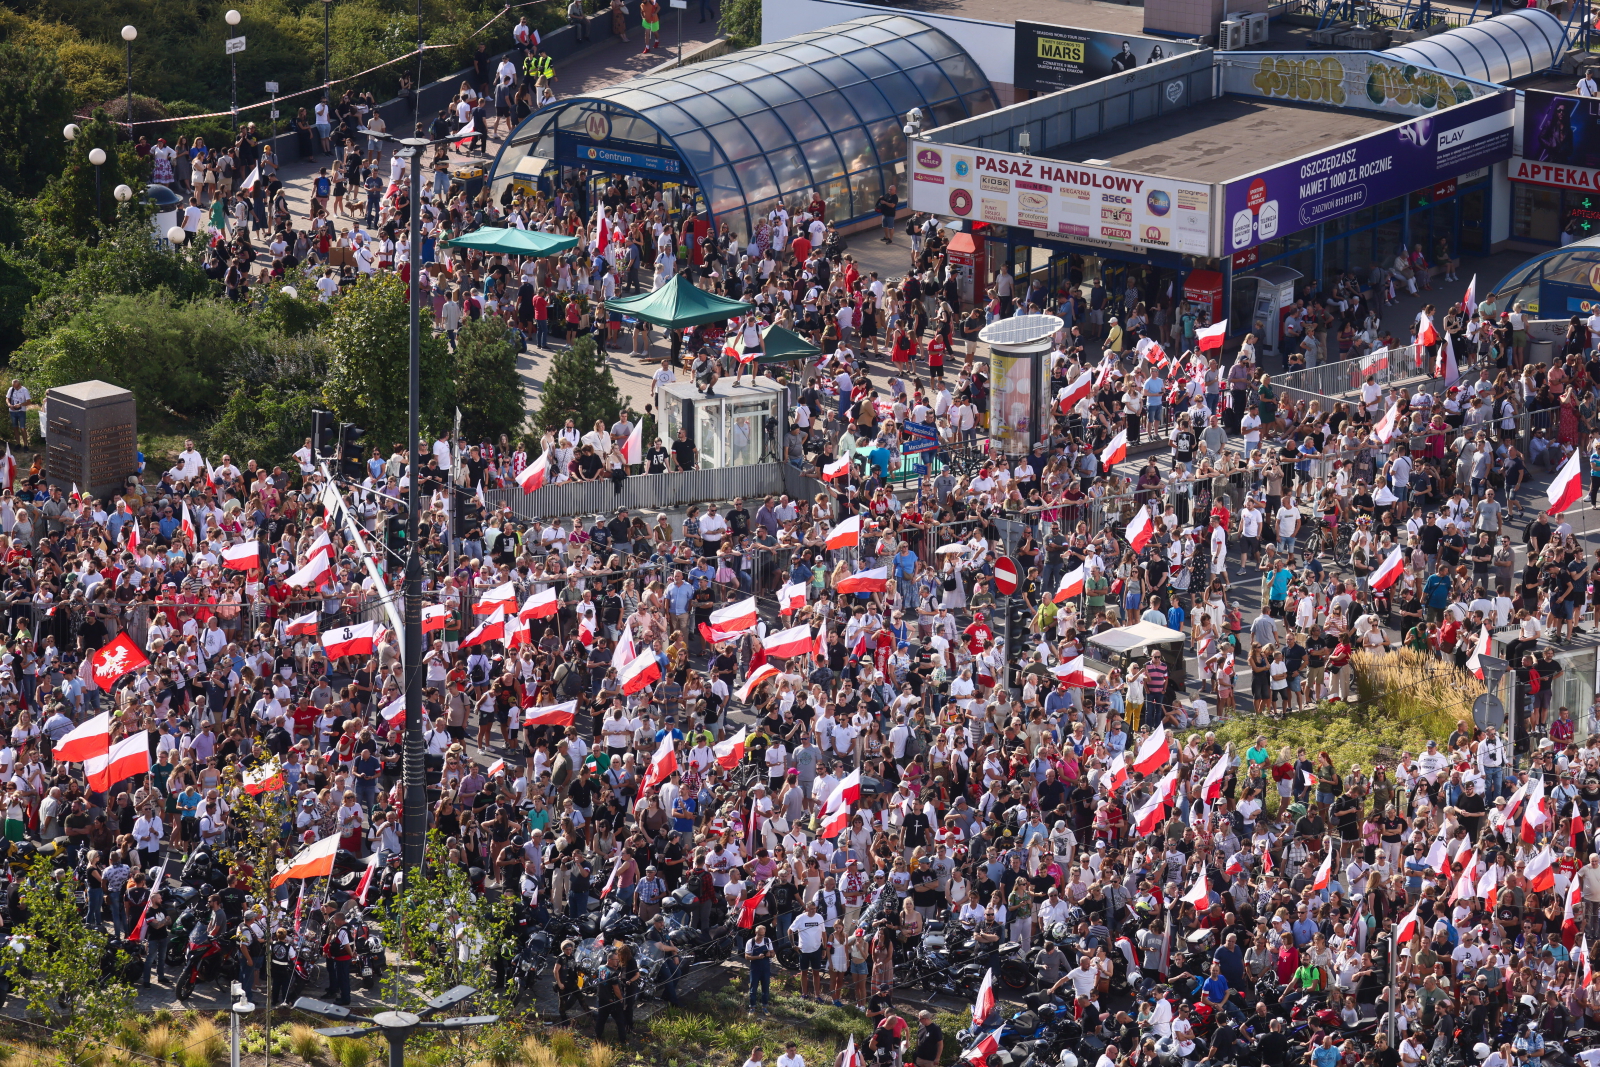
678	304
513	242
780	345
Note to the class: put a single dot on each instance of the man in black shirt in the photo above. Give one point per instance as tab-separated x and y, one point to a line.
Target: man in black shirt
1470	808
683	452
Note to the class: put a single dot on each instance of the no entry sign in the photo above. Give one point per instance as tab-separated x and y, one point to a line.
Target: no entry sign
1005	575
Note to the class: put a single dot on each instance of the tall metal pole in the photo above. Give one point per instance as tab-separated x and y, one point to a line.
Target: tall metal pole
327	61
130	89
233	58
416	89
415	821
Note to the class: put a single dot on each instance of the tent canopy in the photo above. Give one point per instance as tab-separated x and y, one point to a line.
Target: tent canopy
1135	639
678	304
513	242
780	345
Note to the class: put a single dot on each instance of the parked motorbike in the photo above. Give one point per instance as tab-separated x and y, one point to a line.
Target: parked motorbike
208	960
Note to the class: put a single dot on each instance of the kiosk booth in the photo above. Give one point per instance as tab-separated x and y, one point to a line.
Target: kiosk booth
736	426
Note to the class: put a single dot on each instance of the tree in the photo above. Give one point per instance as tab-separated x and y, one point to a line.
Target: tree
270	396
369	363
741	22
34	106
488	385
63	970
579	388
68	199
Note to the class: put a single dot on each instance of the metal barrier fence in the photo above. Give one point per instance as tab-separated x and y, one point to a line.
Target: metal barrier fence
652	491
1336	380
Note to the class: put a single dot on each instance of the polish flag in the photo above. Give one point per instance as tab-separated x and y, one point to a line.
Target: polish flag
984	1003
735	618
1235	865
310	575
350	640
1152	755
519	633
1586	975
1439	857
1148	816
1535	814
875	580
1071	394
86	740
1469	299
539	605
500	598
1452	370
837	469
435	617
1074	675
534	474
1384	428
795	641
305	625
1466	887
749	906
662	765
623	654
242	557
1488	887
717	637
1388	571
1569	914
1071	584
491	629
394	713
1156	355
845	793
1324	873
133	536
313	861
1426	334
791	598
1199	893
852	1058
1408	926
1480	648
981	1052
1212	336
757	676
1167	788
1568	485
729	753
1541	871
644	670
847	534
127	757
551	714
187	523
365	885
633	447
1211	789
264	779
498	767
834	823
1115	452
1118	772
1140	530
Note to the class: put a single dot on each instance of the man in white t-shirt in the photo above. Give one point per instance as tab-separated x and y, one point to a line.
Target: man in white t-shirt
1251	425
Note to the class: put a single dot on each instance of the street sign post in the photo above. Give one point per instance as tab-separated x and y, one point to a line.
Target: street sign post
1005	576
235	44
920	437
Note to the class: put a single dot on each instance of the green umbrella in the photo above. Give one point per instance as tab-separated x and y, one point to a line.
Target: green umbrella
513	242
780	345
678	305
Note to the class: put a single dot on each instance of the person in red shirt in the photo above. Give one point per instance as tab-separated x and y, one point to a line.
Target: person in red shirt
936	351
977	633
801	247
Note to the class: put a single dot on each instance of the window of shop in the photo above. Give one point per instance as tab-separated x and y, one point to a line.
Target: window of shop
1535	213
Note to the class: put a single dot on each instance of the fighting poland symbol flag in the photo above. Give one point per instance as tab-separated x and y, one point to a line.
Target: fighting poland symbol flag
491	629
114	660
350	640
1568	485
435	617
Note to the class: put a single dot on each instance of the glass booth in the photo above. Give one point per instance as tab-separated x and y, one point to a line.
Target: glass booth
736	426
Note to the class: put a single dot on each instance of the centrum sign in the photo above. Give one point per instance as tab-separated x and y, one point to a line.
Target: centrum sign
1066	200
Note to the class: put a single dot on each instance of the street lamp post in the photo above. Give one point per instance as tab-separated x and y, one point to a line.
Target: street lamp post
97	156
396	1026
232	19
327	54
129	34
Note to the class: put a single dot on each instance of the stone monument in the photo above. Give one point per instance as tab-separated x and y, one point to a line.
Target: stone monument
91	437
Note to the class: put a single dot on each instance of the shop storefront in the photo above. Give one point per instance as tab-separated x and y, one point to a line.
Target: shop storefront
1555	190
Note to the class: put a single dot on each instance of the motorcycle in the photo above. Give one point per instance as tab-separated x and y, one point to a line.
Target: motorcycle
208	960
526	968
371	957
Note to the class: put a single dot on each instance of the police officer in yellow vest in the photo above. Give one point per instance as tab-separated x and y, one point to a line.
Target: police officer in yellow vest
538	66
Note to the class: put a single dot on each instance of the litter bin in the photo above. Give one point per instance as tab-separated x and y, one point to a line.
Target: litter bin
1541	351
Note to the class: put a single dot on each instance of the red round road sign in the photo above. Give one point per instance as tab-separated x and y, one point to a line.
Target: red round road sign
1005	575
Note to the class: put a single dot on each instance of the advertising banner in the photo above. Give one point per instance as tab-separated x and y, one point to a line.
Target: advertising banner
1071	200
1365	81
1418	154
1055	57
1560	140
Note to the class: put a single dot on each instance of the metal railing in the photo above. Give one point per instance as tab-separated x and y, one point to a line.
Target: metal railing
1336	381
650	491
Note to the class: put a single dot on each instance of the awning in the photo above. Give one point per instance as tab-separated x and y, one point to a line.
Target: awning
508	241
678	304
781	345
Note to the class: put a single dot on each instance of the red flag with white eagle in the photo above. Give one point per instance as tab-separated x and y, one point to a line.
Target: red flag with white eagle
118	657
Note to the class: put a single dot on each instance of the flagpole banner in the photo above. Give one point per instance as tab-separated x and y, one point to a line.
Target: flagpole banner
1365	172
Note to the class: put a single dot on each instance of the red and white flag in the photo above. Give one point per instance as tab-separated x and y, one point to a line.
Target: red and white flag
757	676
1140	530
1211	788
1152	754
491	629
500	598
1427	335
1199	894
633	447
242	557
1541	871
133	536
1115	452
1149	815
394	712
1116	773
1384	428
795	641
364	886
847	534
1210	337
983	1004
539	605
127	757
534	474
791	598
305	625
1488	887
1567	487
735	618
1074	674
662	765
116	658
1324	873
729	752
845	793
311	574
834	823
435	617
835	470
264	779
356	640
313	861
1480	648
85	741
1389	570
644	670
623	654
875	580
749	906
1439	857
561	714
189	533
1469	299
1071	584
1071	394
1408	926
979	1054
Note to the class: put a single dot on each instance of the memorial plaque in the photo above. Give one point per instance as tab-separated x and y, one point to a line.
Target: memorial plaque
91	437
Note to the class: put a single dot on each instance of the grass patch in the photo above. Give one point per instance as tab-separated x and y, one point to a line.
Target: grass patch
306	1043
203	1046
564	1046
351	1052
162	1043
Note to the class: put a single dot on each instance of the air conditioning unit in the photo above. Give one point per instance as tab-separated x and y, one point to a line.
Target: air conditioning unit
1256	24
1232	36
